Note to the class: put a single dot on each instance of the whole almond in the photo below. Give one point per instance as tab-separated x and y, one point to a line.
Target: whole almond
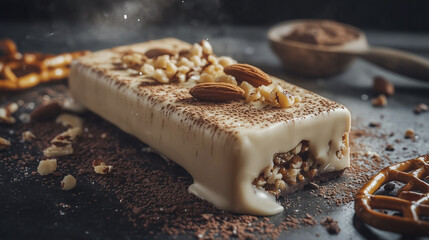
156	52
217	92
251	74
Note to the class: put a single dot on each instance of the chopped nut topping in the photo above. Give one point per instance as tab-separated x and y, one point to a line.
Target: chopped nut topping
68	183
207	47
199	64
380	101
47	166
28	136
272	94
133	60
4	143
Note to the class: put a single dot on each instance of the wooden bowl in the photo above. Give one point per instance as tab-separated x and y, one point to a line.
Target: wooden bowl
309	59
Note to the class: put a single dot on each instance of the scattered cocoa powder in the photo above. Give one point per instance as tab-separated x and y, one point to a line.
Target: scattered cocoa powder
326	33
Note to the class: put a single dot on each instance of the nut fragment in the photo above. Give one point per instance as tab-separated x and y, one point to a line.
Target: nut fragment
251	74
384	86
216	92
68	120
280	184
68	183
421	108
133	60
100	167
147	69
227	79
58	150
12	107
207	47
4	143
103	169
6	113
47	166
226	61
380	101
62	143
160	76
283	97
28	136
409	133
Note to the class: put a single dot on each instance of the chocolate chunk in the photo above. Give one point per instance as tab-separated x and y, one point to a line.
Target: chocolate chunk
374	124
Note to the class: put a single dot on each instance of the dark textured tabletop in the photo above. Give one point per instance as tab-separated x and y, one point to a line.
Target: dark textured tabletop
26	212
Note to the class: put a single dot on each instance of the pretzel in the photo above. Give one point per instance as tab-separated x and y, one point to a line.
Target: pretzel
21	71
412	200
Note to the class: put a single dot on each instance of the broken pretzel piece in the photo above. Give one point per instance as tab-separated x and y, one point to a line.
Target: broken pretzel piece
412	200
21	71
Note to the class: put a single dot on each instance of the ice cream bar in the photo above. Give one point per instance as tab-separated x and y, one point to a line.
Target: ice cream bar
241	154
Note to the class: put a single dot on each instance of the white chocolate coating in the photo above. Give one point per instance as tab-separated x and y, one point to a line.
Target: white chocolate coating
224	146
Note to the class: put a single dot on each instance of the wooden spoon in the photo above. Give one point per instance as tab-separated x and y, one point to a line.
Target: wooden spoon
320	60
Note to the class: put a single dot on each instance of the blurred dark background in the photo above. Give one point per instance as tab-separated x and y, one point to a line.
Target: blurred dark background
412	15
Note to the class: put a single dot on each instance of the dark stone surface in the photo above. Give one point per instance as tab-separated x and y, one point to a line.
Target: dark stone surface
29	211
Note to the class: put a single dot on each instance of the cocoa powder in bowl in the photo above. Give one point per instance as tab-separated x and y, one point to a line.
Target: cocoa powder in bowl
326	33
